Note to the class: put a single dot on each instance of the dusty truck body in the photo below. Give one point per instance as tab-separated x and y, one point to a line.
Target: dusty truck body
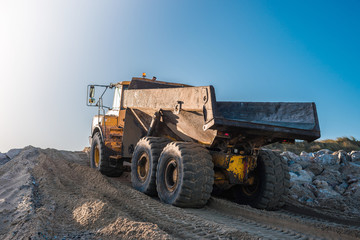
183	144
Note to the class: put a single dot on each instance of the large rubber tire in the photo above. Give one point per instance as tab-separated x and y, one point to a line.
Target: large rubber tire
271	185
185	175
99	158
144	163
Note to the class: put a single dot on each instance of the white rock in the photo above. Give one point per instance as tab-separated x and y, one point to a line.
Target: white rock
290	156
302	192
311	174
300	177
303	153
350	170
306	156
332	177
355	156
326	159
305	159
342	157
295	168
315	168
323	151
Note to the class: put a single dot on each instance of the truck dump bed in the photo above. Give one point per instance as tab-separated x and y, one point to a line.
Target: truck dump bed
280	119
193	113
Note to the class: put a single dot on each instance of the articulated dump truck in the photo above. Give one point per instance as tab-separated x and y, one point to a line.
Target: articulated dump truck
183	144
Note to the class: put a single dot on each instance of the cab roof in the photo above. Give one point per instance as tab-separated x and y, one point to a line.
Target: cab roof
146	83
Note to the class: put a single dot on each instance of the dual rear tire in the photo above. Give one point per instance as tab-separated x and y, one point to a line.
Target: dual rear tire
270	185
185	175
180	172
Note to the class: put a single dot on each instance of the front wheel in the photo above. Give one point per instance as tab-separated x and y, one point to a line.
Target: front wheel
99	158
185	175
270	183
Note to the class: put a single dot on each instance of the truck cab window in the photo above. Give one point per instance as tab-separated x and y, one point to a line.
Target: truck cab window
117	98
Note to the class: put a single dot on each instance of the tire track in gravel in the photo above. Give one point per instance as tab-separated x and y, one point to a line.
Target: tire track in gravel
317	227
176	221
223	219
254	228
296	208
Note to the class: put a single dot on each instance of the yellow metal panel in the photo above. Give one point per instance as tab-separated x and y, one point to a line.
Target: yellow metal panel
111	121
121	119
238	167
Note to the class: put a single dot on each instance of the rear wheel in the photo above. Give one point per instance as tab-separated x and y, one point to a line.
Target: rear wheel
185	175
99	159
144	163
270	183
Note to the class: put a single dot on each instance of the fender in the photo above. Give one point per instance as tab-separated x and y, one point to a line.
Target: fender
95	130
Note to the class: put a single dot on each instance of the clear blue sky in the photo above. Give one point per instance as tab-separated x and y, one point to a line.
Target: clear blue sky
249	50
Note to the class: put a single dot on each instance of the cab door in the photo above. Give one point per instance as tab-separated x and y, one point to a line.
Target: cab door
115	122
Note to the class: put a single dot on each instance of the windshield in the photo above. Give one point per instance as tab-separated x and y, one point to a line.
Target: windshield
114	111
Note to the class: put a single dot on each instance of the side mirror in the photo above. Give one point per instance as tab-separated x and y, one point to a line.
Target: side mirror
92	94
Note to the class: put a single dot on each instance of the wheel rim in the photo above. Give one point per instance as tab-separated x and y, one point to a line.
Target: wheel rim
143	166
171	175
97	156
251	190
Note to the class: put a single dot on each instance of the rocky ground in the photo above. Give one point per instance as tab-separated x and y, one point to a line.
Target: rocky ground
326	180
51	194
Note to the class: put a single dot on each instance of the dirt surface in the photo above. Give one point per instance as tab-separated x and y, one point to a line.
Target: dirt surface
51	194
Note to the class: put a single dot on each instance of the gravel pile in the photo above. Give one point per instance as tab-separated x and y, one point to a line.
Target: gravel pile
325	179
